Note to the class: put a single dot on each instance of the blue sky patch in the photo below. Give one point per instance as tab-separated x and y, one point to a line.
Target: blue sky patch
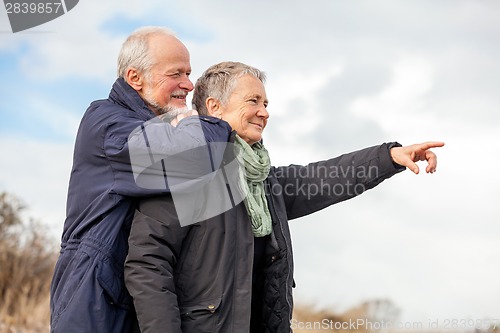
121	25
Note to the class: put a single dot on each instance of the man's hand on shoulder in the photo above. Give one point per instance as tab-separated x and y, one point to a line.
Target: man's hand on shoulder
176	118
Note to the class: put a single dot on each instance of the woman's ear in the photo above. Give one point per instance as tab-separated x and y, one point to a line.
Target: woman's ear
213	107
134	79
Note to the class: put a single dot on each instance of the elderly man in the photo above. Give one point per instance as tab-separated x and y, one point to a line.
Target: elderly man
87	291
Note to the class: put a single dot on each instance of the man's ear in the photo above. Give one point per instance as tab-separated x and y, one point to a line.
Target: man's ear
134	79
213	107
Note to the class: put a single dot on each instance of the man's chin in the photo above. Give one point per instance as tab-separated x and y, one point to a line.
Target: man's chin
178	108
170	112
175	109
178	105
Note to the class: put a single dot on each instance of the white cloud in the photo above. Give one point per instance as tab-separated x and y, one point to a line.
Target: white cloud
38	173
75	43
404	97
52	117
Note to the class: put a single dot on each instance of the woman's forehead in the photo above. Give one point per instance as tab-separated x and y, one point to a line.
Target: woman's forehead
248	85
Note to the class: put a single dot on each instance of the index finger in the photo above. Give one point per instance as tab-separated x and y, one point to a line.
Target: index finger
431	144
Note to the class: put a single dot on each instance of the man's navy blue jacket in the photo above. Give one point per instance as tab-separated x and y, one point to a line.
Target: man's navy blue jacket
87	291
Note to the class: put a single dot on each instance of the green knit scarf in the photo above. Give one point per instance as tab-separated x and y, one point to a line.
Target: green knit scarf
256	161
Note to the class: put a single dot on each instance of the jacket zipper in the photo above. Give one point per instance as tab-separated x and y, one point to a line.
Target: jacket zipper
289	303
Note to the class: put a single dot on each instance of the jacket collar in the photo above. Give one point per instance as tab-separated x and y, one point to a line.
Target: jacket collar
123	94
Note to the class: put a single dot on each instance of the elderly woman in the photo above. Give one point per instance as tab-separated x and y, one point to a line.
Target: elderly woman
234	272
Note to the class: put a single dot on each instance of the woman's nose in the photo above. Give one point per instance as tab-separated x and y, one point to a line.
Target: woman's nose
263	112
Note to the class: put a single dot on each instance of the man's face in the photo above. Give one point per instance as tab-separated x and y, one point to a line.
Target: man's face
168	83
246	110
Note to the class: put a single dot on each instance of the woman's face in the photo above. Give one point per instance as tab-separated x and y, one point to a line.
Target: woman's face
245	109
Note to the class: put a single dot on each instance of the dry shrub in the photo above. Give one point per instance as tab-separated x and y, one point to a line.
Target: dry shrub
27	259
309	319
360	319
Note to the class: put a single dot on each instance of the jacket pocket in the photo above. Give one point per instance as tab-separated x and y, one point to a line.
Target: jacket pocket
200	317
111	281
74	275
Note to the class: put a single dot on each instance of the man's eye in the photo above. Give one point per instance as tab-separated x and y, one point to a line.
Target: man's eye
253	100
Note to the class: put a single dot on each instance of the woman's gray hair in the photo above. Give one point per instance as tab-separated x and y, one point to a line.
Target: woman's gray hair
218	81
135	50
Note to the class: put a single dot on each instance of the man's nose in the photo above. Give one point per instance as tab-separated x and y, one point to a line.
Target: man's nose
186	84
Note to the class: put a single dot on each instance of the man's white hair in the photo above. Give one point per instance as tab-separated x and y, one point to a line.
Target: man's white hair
135	50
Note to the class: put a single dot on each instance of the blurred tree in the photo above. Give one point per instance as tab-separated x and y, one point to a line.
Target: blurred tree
27	261
10	214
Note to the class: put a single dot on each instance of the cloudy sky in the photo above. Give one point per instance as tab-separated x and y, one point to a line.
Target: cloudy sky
342	75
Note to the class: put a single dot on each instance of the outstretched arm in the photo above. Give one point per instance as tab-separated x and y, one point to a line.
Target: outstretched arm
408	155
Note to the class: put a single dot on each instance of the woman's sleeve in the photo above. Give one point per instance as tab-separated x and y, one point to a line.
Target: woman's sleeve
143	155
154	247
307	189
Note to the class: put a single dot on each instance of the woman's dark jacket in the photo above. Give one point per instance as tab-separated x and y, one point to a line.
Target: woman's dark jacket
198	278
